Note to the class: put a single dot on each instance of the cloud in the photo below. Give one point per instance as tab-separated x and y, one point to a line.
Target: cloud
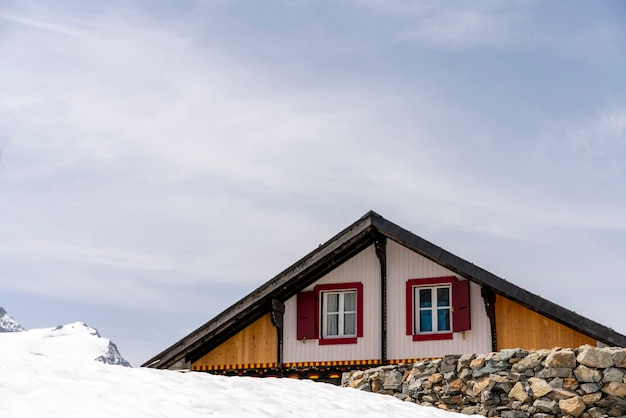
459	29
451	24
141	155
601	141
40	25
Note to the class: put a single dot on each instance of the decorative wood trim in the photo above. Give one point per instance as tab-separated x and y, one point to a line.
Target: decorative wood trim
381	252
489	296
432	337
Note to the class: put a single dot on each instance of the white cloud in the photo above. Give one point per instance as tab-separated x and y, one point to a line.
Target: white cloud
457	29
603	138
452	24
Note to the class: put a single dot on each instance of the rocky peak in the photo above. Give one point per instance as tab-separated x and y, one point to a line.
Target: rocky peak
8	324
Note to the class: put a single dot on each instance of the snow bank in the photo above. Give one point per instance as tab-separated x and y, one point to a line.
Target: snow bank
40	386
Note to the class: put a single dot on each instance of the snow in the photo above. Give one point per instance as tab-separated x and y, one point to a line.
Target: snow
51	373
40	386
71	342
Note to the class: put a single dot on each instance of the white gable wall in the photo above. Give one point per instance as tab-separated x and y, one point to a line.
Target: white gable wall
404	264
364	268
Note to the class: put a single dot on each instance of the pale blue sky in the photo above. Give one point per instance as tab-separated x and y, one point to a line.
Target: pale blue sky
160	160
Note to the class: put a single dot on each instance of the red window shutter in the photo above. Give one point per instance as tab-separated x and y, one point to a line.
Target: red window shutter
306	316
461	306
409	307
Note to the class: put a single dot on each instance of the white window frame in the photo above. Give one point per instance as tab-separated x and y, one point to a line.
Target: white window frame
433	308
341	312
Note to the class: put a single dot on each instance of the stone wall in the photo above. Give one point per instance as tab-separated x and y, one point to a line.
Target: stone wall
583	382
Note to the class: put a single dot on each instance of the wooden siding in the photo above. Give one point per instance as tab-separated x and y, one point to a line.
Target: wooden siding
404	264
364	268
258	343
517	326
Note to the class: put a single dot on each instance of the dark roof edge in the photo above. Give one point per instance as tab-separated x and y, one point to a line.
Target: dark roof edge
177	351
507	289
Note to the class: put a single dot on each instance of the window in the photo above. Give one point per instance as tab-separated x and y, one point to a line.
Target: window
331	313
432	309
437	307
339	314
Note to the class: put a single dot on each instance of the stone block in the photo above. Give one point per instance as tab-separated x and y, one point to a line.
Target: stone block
596	412
435	378
477	363
545	405
552	372
558	394
376	385
455	386
354	383
519	392
529	362
465	360
619	358
591	398
506	355
561	359
539	387
391	380
514	414
470	410
570	383
590	387
557	383
587	374
613	374
401	396
615	389
491	367
479	385
595	357
572	406
365	387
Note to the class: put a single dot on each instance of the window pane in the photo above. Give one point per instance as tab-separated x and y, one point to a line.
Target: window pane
332	302
332	324
426	321
425	298
443	296
349	302
443	319
349	324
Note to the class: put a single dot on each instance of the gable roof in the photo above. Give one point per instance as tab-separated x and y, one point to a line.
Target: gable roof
367	230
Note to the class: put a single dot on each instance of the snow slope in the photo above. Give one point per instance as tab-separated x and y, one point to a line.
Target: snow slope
39	386
51	372
73	342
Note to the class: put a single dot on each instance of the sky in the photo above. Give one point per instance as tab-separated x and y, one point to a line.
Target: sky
160	160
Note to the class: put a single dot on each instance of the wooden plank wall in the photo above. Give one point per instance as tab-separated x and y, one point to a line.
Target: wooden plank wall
258	343
517	326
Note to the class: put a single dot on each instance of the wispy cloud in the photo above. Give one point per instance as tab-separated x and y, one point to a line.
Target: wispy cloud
452	25
46	26
459	29
603	139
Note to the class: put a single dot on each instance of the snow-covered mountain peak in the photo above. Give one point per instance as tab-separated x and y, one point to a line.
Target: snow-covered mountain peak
8	324
76	342
75	328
